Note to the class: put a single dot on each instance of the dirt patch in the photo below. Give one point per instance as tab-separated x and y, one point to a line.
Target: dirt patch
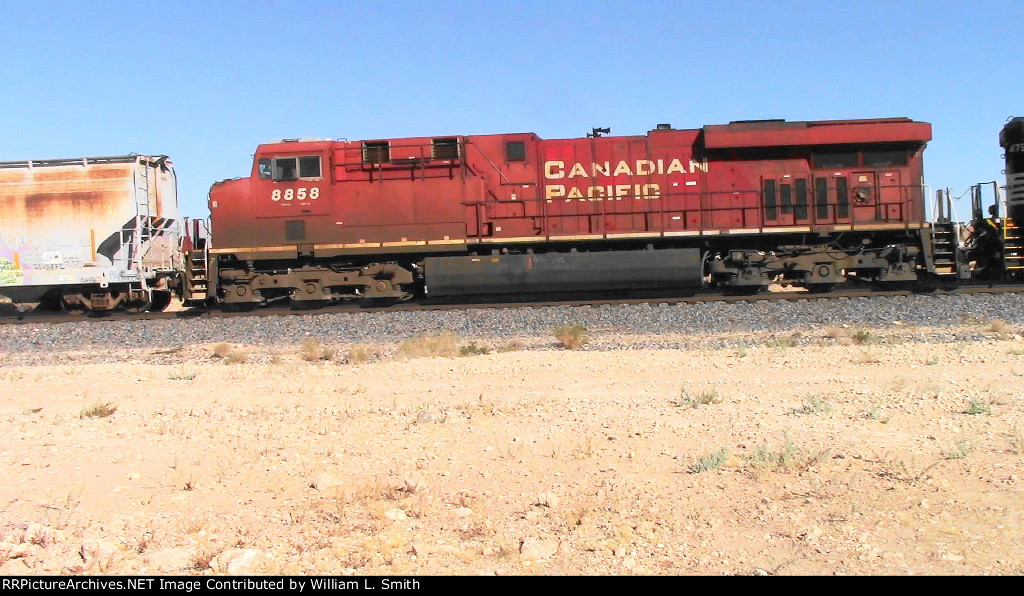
832	453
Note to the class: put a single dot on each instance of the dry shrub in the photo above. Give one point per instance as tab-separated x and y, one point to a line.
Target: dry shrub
430	346
1002	329
359	354
704	398
312	350
182	374
512	346
785	342
571	337
236	356
97	411
787	457
709	462
221	350
863	336
813	405
473	350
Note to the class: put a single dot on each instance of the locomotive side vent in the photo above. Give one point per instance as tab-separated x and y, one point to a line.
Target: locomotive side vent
445	149
376	151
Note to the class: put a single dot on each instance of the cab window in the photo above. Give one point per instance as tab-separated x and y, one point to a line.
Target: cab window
263	167
309	167
293	168
284	169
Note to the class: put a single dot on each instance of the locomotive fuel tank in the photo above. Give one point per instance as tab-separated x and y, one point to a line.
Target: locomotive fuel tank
671	269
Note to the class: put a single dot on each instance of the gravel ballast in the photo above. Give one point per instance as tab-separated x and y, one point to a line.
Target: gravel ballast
495	324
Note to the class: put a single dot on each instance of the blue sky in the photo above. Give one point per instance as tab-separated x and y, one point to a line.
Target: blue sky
206	82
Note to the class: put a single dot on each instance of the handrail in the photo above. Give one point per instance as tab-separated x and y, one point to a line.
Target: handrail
496	168
662	206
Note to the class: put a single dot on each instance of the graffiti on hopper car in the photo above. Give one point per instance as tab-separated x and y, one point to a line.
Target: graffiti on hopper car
10	275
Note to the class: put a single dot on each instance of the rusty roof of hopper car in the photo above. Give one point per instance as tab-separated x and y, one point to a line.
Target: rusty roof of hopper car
81	161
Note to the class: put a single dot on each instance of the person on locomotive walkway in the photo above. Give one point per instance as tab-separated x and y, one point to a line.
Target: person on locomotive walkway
988	247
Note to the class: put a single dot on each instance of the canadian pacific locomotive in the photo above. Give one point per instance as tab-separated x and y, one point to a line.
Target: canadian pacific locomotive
736	206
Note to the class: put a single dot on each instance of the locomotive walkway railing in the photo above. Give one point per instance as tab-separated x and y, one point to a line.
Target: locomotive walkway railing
699	212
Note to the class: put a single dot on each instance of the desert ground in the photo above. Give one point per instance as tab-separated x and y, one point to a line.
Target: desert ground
890	450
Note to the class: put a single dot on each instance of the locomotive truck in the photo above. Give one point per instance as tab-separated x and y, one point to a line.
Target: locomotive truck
736	206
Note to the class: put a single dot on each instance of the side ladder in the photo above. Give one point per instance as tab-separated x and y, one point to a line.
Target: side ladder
945	248
948	257
196	287
1013	249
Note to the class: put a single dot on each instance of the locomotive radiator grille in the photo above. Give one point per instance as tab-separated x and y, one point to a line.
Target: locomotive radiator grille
1015	189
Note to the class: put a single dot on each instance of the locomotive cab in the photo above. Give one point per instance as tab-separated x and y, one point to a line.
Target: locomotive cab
290	185
281	233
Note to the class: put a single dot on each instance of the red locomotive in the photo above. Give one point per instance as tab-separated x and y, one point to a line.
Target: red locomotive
738	206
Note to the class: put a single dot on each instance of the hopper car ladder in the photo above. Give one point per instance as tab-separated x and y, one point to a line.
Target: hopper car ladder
140	234
142	199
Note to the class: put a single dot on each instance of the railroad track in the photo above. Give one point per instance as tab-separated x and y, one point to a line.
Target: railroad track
11	316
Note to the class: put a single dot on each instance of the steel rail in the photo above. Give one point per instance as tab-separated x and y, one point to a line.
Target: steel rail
31	318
